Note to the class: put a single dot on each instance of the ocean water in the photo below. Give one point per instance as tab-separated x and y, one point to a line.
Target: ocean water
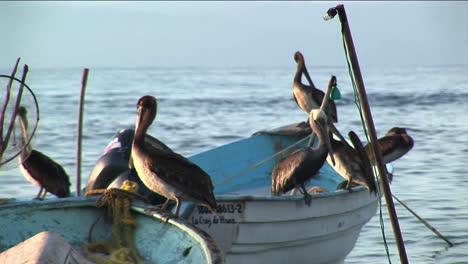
202	108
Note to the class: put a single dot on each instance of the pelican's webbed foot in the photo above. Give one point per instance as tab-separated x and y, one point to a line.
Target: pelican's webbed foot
41	195
164	210
317	189
165	214
348	185
342	185
307	196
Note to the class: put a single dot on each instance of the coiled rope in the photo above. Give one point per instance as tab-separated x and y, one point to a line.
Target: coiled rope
119	251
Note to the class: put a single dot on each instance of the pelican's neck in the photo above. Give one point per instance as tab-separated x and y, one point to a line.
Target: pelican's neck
320	136
299	71
24	136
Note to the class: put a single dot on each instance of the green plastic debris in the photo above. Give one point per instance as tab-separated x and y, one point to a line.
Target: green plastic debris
335	93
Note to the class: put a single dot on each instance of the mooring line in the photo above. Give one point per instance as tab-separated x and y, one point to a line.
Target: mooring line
261	162
424	222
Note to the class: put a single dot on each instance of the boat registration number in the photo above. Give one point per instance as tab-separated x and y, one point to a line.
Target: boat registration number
226	213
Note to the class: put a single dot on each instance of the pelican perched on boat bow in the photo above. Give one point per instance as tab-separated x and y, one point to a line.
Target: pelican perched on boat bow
309	97
39	168
352	163
301	165
166	172
393	145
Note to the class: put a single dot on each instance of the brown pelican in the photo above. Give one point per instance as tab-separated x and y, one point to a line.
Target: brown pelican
301	165
352	163
116	160
309	97
40	169
393	145
166	172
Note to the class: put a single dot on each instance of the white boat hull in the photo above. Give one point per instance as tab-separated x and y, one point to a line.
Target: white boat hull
251	226
262	229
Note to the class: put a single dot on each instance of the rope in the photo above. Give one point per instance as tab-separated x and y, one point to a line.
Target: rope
424	222
358	106
263	161
120	251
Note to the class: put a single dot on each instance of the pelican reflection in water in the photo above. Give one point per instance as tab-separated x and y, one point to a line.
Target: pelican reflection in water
39	168
301	165
166	172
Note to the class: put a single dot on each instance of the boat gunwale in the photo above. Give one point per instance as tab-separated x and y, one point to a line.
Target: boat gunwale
210	247
248	197
232	196
207	243
362	206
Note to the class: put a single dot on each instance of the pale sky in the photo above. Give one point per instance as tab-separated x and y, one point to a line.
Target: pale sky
231	34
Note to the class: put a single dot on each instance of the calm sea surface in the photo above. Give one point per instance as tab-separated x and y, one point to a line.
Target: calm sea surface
203	108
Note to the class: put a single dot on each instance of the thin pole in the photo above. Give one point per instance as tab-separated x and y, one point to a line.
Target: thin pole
15	108
5	105
424	222
370	127
84	80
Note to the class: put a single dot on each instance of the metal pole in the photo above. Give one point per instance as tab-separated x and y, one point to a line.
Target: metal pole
84	80
371	129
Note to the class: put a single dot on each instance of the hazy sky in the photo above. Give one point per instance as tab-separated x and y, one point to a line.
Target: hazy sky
146	34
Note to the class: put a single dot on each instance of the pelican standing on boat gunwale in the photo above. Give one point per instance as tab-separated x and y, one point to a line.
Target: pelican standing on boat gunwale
39	168
352	163
301	165
298	167
166	172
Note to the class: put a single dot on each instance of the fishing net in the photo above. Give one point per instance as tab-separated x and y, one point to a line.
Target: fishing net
16	138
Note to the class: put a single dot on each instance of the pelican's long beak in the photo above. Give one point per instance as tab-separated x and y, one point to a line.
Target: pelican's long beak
140	111
306	74
328	143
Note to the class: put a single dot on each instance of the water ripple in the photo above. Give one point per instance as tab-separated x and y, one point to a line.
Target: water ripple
202	108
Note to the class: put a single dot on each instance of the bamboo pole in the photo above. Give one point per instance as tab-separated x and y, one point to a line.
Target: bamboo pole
15	108
370	127
4	107
84	81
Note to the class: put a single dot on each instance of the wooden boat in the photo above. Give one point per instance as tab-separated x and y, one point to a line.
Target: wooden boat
251	226
75	219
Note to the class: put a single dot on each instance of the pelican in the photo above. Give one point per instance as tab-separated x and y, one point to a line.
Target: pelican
301	165
352	163
393	145
309	97
166	172
39	168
